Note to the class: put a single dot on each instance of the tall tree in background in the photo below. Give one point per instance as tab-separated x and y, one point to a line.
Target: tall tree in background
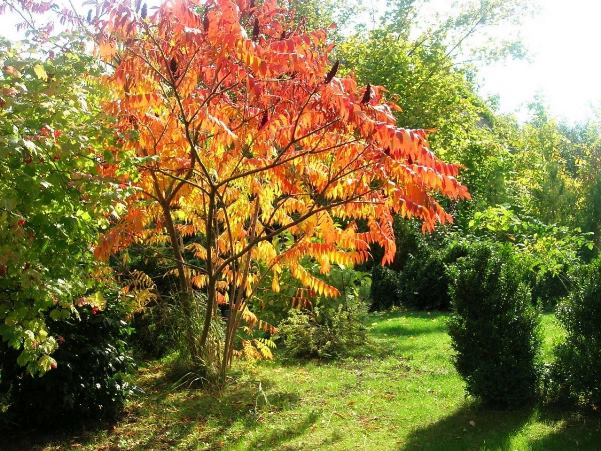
426	62
544	186
583	163
435	95
468	30
253	154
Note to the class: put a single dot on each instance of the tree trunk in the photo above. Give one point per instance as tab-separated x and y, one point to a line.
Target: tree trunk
185	288
211	286
238	305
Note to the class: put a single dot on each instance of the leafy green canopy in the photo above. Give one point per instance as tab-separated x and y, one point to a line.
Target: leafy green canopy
53	200
435	95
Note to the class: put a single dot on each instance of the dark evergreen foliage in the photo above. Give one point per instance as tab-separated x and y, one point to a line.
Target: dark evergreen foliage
494	328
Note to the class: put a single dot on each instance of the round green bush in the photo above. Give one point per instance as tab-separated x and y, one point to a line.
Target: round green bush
424	282
494	328
575	375
384	288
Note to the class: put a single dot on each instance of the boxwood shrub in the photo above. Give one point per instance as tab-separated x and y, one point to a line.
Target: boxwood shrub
494	327
575	375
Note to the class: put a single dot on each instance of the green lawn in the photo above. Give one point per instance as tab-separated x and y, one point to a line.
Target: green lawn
401	392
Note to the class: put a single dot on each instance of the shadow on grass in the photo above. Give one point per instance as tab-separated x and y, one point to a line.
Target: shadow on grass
403	334
413	314
207	417
575	432
403	330
274	439
167	418
474	427
29	438
470	427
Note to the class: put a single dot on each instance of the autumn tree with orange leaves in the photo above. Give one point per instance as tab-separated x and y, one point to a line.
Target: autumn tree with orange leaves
243	133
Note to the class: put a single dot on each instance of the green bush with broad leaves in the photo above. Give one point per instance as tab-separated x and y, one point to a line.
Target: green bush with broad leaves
54	197
90	380
549	252
494	327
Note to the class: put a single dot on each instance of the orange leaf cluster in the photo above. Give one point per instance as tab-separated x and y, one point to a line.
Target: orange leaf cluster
255	147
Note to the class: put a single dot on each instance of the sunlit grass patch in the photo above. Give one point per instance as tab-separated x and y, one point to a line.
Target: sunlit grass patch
399	391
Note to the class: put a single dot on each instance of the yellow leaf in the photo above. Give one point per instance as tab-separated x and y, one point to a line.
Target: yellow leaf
275	284
40	72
